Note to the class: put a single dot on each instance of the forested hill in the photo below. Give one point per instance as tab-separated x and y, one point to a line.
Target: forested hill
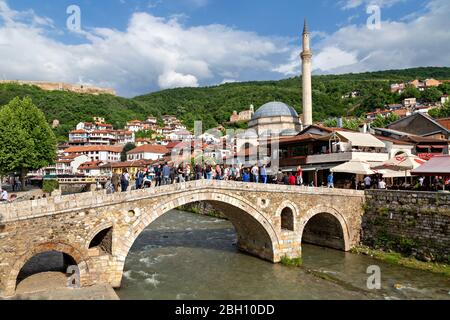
214	105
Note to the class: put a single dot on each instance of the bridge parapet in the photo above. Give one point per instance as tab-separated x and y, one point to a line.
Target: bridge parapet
62	204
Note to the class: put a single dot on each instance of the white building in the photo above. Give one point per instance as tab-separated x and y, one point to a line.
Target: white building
68	164
147	152
97	153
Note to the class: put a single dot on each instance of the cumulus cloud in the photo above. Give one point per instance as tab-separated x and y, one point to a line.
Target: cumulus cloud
352	4
152	53
157	53
422	40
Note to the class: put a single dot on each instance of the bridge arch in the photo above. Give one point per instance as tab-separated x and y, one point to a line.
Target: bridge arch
79	258
284	211
331	214
256	234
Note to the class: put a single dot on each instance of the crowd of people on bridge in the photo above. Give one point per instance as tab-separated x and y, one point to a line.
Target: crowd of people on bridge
163	174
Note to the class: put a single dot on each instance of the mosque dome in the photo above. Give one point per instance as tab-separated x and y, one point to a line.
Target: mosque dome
275	109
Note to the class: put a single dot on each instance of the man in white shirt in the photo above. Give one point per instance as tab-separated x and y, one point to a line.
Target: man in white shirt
368	182
382	184
3	196
255	173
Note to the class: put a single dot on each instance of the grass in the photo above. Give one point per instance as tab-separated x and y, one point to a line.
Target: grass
294	262
408	262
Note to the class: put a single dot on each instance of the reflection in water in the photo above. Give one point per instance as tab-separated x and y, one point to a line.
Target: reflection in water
188	257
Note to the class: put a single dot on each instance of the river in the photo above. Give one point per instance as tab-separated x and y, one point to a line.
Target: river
191	257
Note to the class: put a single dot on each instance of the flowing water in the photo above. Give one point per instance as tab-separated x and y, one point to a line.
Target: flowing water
188	257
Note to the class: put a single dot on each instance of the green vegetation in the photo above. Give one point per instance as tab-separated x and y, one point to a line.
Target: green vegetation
214	105
26	140
295	262
49	186
128	147
398	259
443	112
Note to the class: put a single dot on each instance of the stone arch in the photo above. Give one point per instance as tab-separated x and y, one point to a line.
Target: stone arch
346	232
74	253
92	234
295	213
242	205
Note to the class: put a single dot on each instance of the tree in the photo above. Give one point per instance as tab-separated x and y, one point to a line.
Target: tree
431	95
128	147
27	141
383	122
411	92
443	112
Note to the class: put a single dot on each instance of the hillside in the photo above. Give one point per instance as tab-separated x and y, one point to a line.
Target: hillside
214	105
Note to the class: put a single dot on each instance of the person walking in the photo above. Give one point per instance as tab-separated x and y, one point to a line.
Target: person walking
198	171
125	181
255	173
208	171
330	180
187	173
292	180
263	174
367	182
4	196
158	172
166	174
218	172
115	180
139	179
245	176
300	175
180	173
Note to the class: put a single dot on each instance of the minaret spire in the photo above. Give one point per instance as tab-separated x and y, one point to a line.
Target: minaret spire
305	27
306	77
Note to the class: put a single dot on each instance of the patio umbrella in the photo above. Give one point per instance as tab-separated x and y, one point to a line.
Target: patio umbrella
355	166
404	163
401	163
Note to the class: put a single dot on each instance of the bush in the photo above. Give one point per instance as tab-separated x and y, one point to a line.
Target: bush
50	185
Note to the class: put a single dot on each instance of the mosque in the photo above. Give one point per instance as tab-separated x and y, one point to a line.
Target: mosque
278	117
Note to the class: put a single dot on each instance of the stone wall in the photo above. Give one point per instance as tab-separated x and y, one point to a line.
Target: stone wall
413	223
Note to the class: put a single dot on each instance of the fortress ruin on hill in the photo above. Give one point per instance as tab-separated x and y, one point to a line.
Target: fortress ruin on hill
60	86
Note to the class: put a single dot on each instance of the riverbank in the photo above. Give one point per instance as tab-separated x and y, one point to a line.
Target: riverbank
53	286
400	260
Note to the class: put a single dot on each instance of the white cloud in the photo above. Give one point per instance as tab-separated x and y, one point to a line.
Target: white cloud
172	79
156	53
353	4
423	40
152	53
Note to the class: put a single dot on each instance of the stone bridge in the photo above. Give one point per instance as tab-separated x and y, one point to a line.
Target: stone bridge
96	231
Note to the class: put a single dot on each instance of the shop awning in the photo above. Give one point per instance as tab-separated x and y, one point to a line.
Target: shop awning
436	166
361	139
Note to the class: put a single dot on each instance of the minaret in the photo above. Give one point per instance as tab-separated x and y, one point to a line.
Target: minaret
306	75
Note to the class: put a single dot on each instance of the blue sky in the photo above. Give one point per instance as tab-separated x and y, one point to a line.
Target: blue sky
137	46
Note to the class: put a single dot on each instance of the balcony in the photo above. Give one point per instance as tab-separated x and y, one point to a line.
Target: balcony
347	156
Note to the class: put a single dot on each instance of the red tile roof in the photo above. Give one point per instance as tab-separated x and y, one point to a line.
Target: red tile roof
445	122
82	149
150	148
